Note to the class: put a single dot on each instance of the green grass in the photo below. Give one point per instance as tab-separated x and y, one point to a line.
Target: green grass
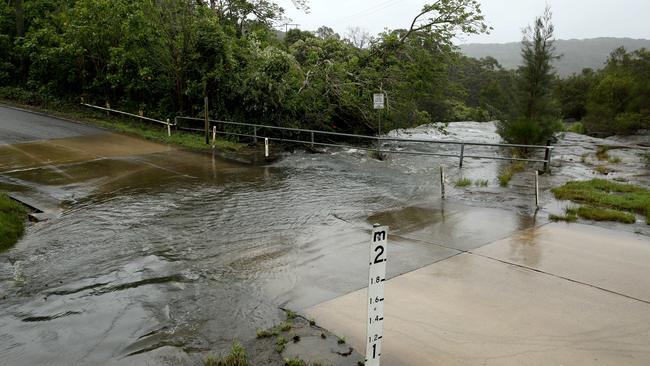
280	344
236	357
605	214
601	193
570	215
576	127
145	130
463	182
614	160
481	183
267	333
341	340
507	173
12	222
601	169
286	326
159	134
291	314
294	362
601	152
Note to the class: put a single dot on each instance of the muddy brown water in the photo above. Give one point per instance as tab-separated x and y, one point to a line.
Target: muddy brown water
158	255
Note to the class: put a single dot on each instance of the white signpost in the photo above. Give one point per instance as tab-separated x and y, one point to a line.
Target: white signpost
376	278
378	100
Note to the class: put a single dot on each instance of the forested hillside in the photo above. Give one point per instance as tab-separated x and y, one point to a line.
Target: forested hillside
577	54
163	57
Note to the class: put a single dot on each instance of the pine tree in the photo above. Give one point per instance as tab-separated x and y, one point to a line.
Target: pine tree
536	115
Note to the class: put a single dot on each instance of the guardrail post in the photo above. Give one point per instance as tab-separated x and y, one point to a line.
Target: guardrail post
547	157
312	139
169	128
255	135
536	188
266	147
462	154
214	135
207	123
108	106
442	181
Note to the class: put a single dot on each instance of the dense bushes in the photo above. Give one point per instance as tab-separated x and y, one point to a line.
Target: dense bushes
615	100
163	57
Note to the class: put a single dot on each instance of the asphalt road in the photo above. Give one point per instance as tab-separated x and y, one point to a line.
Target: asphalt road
19	126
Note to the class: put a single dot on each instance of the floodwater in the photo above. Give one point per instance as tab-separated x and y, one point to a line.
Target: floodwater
158	255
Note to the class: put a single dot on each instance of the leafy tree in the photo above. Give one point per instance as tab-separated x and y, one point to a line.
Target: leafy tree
572	93
619	102
536	115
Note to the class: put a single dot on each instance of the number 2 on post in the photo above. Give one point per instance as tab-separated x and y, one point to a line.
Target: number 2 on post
376	278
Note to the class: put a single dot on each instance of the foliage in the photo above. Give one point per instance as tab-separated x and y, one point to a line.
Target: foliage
576	127
572	93
163	57
570	215
463	182
236	357
605	214
607	194
481	183
280	344
619	102
12	222
536	116
294	362
506	174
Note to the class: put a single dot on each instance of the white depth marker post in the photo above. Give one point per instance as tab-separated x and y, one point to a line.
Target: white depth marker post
214	135
376	278
266	147
536	188
442	181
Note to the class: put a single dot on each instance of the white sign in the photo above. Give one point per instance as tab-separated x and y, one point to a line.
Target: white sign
378	100
376	278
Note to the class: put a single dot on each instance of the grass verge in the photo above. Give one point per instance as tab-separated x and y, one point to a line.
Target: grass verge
605	214
236	357
463	182
604	194
146	130
12	222
570	215
481	183
506	174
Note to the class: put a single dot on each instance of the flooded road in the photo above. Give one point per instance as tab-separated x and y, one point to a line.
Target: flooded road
158	255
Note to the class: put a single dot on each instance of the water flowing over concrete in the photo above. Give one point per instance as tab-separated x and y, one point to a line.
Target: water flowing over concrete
156	255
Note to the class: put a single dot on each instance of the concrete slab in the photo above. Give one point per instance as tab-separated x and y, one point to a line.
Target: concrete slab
74	149
612	260
472	310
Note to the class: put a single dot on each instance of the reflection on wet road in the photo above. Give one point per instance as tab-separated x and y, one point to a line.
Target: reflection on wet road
158	251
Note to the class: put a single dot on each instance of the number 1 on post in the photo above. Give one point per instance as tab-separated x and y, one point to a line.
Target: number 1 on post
376	279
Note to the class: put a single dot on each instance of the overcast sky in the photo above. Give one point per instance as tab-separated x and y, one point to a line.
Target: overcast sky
572	18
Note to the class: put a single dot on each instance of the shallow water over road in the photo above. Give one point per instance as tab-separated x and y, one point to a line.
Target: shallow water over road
160	255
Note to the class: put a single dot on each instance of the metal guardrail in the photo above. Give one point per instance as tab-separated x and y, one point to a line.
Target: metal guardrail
375	139
110	110
128	114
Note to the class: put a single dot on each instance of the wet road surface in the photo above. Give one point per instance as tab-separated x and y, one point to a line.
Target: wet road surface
531	299
18	126
158	255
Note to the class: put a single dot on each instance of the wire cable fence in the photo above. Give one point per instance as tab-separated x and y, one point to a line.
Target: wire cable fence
378	144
